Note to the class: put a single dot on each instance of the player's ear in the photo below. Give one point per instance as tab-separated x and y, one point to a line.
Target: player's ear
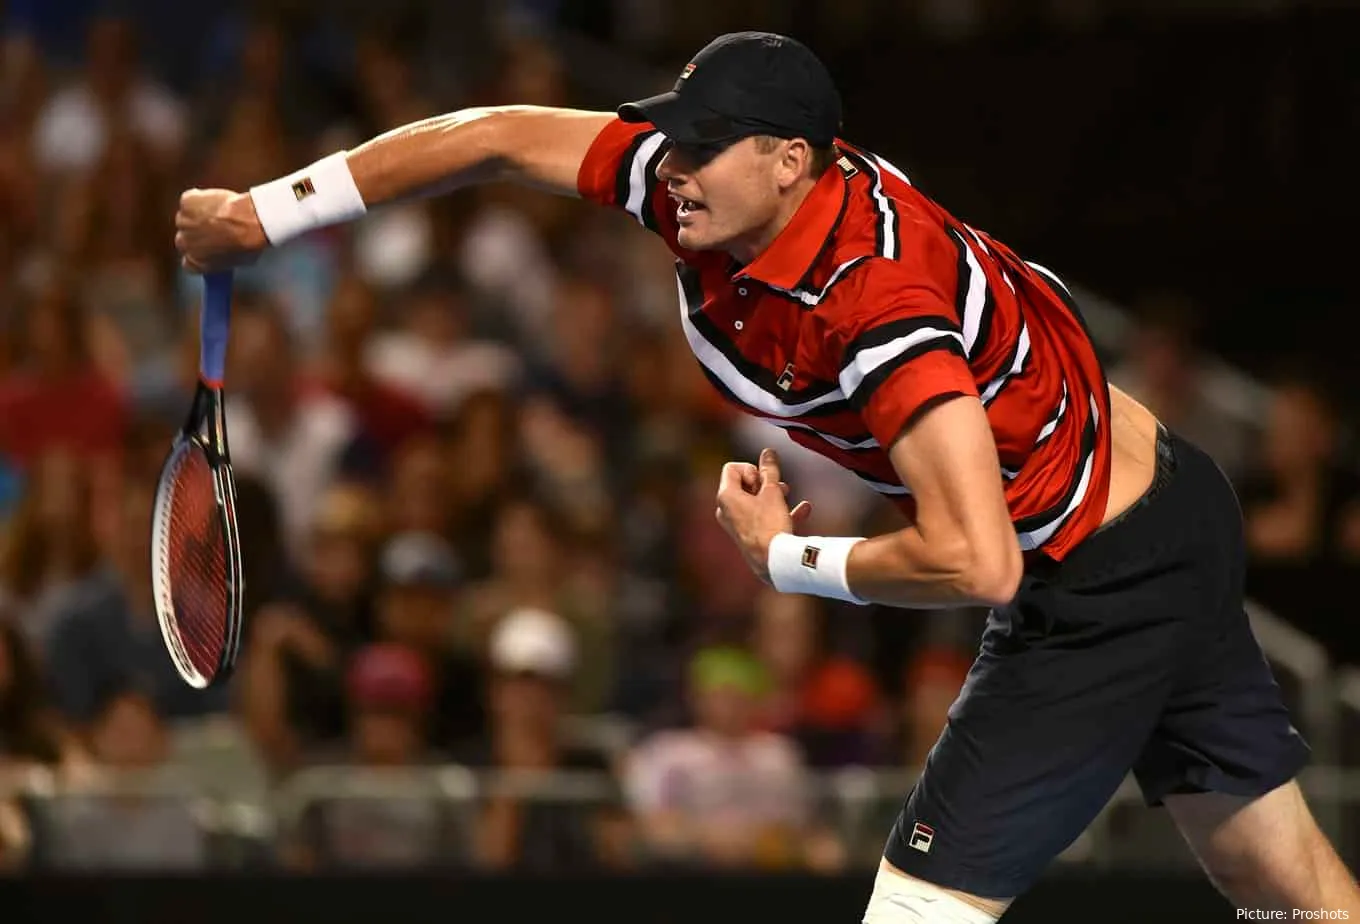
795	161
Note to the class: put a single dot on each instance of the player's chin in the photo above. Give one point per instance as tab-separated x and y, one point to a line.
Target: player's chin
698	236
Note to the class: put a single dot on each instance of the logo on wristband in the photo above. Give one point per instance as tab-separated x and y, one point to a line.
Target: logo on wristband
303	188
810	554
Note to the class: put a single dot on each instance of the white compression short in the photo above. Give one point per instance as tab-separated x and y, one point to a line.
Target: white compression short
899	899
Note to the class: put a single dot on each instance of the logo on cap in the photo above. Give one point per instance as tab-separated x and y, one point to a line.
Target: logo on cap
689	69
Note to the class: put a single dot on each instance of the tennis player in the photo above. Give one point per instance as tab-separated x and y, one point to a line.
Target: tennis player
822	291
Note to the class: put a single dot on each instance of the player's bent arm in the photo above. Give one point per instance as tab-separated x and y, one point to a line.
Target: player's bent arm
962	549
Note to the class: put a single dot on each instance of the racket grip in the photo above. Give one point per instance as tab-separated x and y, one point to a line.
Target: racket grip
214	327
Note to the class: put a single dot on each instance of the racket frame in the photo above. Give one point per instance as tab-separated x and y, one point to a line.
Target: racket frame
205	430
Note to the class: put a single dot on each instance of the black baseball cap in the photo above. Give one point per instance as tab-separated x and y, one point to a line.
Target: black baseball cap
742	84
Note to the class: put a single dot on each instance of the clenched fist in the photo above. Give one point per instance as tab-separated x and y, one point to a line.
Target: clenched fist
753	508
217	229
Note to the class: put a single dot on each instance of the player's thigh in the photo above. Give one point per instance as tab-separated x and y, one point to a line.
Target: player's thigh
1065	692
1225	728
1254	846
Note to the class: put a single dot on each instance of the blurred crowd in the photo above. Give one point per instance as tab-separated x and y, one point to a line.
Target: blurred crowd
475	466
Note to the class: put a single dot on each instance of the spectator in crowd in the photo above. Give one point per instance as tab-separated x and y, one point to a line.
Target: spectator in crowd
578	370
297	641
54	372
419	487
1166	369
32	734
1302	514
251	116
722	792
107	637
931	680
50	550
293	695
291	438
389	692
76	124
533	552
825	701
110	223
32	731
532	656
148	828
433	352
419	605
389	414
566	460
23	89
483	469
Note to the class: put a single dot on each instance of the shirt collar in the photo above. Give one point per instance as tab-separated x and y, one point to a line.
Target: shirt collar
790	258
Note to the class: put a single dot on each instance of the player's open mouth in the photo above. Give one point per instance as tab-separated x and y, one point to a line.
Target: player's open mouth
685	206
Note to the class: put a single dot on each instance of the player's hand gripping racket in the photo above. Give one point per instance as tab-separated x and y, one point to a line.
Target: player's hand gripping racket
195	551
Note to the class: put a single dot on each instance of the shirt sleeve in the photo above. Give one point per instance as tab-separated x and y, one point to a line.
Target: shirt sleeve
897	347
619	171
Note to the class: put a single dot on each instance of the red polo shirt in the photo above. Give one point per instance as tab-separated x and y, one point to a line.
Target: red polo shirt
872	305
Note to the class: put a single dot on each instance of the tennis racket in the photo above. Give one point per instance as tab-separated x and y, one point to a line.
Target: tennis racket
195	550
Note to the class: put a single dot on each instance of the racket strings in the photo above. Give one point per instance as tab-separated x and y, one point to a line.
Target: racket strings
196	564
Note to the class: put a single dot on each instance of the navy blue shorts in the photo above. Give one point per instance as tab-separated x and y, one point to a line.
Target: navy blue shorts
1132	654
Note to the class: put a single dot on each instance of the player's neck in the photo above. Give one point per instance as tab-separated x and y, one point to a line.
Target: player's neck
749	246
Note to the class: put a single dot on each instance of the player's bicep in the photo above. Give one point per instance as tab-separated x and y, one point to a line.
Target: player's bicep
948	458
548	147
905	370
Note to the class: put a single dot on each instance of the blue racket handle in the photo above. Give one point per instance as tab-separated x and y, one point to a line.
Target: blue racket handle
214	327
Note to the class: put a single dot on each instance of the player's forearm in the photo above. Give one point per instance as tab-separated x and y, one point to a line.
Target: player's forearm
908	570
432	156
420	159
534	146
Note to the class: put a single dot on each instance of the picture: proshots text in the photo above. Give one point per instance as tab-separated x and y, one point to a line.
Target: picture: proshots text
1298	914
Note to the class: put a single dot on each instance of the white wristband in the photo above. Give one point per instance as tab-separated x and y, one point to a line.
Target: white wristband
812	565
316	196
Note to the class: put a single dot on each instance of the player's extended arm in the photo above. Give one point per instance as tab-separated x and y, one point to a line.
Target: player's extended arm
960	551
535	146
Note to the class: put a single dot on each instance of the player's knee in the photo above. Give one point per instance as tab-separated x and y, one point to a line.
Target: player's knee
901	899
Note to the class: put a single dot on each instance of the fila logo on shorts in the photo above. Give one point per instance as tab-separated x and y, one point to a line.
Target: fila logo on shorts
921	837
